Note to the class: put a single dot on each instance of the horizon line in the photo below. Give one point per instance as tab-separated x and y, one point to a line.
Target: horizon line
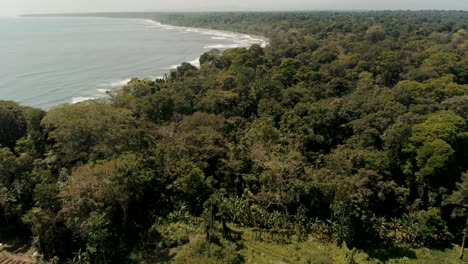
241	11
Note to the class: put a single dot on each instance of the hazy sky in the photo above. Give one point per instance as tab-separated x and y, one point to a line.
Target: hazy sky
15	7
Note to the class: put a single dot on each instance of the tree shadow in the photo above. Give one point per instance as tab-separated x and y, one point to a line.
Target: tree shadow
154	255
159	256
15	245
151	250
232	235
386	254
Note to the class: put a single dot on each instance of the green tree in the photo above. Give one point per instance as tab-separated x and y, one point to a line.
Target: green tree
99	202
389	67
431	146
375	34
13	124
158	107
90	130
286	71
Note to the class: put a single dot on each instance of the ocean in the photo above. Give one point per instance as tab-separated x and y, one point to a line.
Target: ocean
48	61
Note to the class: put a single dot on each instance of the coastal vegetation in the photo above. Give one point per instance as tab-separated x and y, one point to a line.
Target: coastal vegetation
343	141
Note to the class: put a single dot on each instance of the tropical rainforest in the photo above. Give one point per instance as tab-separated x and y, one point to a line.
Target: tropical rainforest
349	128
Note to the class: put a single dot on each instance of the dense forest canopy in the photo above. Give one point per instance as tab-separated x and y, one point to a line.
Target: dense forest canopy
350	127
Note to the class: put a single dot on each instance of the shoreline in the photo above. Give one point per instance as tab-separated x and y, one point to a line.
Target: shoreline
230	39
235	37
264	40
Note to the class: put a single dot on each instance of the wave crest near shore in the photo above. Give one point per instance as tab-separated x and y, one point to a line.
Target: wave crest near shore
240	39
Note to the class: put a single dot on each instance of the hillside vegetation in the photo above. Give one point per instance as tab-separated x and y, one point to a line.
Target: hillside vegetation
345	140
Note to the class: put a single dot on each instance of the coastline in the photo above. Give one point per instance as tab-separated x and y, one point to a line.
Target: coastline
240	40
264	40
227	39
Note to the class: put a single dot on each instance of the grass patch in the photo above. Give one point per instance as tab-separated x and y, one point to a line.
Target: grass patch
250	249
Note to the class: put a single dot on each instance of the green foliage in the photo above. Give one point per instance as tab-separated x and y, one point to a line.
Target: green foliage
13	124
349	127
389	67
441	125
214	57
175	234
46	196
97	233
375	34
426	228
287	70
8	166
89	131
459	198
200	136
432	143
158	107
204	252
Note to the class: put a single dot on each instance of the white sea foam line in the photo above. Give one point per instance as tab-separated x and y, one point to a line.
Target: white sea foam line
156	77
239	39
236	37
223	46
218	38
102	90
78	99
118	83
195	62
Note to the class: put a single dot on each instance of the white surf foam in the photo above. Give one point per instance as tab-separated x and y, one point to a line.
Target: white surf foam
157	77
218	38
102	90
223	46
78	99
119	83
242	40
195	62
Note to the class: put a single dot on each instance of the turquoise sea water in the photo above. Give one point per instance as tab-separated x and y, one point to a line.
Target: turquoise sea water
49	61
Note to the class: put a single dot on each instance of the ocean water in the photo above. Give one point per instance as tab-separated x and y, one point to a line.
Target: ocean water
48	61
